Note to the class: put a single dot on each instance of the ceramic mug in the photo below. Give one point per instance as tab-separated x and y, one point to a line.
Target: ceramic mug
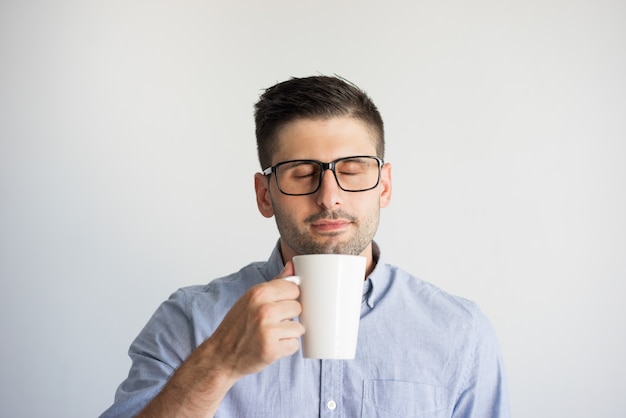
331	290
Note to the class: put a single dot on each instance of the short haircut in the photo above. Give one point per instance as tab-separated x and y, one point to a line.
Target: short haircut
316	97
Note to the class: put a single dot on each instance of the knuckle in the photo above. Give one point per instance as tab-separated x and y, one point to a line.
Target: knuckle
259	292
265	312
267	352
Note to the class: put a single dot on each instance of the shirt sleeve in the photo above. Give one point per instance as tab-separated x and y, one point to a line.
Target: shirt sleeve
160	348
485	393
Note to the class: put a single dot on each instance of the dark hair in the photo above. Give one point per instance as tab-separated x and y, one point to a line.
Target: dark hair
317	97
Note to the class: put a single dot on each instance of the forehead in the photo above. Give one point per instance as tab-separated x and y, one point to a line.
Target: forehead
324	139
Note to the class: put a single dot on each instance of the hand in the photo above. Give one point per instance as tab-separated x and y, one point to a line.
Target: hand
258	329
256	332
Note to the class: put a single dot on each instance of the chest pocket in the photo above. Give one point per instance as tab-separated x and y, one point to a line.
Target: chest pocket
394	398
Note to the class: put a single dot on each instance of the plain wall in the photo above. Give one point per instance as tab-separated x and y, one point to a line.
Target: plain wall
127	157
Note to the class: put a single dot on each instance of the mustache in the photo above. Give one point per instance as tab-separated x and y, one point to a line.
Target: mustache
334	214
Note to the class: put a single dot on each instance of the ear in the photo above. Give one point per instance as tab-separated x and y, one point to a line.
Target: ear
385	183
263	201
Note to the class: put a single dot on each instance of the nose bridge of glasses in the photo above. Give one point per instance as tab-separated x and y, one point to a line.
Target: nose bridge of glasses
328	166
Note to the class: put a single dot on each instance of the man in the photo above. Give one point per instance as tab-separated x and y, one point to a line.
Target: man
230	348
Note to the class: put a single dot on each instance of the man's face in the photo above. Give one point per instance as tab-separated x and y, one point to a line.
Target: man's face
330	220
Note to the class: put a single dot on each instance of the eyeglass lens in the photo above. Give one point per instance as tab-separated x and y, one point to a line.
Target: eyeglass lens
304	177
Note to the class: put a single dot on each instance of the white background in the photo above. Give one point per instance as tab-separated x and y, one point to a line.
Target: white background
127	156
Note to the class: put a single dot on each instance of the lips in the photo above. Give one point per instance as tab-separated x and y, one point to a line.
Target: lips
331	222
330	225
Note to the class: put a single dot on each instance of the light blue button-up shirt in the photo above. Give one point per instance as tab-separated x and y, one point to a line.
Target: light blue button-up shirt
421	353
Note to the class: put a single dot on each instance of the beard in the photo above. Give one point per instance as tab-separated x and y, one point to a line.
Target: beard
299	239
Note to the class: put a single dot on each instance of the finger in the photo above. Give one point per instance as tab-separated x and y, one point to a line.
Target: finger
288	309
289	337
270	292
289	346
292	291
273	314
291	329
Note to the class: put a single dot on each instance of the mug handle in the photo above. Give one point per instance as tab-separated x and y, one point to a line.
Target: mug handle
293	279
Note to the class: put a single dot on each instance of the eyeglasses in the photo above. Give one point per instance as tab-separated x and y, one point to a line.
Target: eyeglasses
302	177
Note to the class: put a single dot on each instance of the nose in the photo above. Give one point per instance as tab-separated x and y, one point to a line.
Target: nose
329	194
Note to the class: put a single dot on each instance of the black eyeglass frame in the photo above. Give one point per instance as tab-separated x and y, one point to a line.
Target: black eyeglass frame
324	166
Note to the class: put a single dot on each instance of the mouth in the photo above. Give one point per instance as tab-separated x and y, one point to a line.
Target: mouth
330	225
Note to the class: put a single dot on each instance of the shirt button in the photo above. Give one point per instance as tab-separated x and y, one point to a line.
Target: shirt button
331	405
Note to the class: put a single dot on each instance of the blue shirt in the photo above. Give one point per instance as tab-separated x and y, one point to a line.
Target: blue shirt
421	353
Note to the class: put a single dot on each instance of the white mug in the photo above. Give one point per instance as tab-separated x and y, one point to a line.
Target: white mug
331	290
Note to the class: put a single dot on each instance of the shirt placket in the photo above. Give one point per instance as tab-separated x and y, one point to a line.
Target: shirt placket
331	389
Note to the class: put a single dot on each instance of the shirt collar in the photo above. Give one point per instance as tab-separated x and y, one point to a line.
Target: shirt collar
378	280
274	264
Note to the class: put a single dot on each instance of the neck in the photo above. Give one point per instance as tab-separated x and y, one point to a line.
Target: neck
370	253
